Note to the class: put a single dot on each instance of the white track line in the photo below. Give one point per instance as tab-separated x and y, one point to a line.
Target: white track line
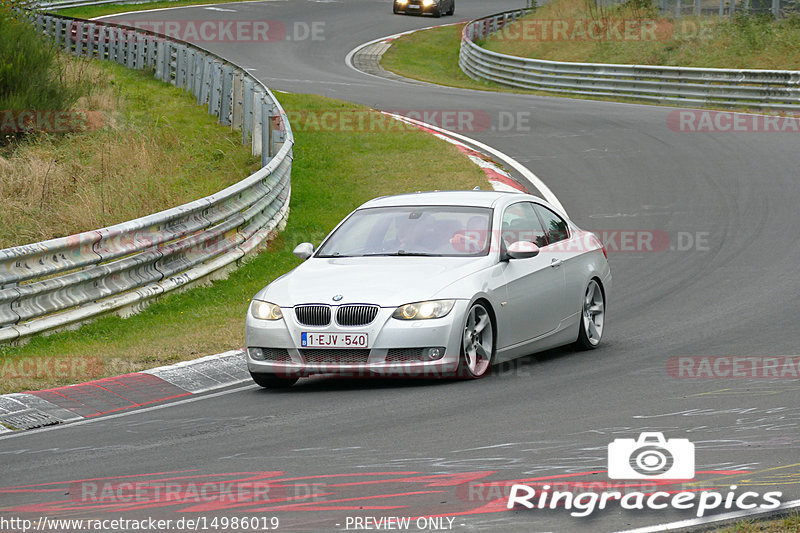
710	519
194	398
516	165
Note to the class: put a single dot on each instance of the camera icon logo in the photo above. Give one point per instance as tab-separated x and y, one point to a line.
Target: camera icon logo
651	457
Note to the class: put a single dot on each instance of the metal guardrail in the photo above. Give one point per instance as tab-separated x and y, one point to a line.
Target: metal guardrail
56	283
772	89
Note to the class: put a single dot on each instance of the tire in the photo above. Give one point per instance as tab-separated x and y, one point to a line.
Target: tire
273	381
452	9
437	13
395	10
477	344
593	314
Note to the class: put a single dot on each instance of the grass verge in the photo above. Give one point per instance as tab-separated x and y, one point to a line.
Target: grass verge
89	12
153	148
634	33
335	170
432	56
787	524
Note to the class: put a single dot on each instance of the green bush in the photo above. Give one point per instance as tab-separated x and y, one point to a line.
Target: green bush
31	74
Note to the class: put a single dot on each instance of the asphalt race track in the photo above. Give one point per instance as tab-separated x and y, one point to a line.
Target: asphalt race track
720	279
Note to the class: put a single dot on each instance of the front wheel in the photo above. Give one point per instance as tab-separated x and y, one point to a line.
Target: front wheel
477	344
452	8
437	12
593	315
273	381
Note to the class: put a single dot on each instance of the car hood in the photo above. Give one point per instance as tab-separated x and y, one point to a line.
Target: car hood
385	281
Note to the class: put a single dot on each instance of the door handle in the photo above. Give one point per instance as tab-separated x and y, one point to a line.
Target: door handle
555	263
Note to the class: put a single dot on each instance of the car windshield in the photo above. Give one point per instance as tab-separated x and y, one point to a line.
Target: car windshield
446	231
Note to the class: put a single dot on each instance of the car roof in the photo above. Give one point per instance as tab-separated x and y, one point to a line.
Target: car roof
474	198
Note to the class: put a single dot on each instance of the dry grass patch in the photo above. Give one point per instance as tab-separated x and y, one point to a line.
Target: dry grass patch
154	149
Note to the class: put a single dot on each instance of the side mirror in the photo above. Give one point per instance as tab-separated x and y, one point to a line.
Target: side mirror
522	250
304	250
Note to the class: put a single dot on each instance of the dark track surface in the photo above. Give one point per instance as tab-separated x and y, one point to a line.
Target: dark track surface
613	166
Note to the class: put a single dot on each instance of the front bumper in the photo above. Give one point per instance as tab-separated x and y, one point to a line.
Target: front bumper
393	351
414	7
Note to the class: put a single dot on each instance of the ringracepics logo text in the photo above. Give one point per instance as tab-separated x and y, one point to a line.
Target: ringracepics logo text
650	456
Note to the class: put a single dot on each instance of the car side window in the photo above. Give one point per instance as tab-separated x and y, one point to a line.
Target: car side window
556	227
520	223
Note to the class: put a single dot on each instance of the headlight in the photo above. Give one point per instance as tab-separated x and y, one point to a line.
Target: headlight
427	3
424	310
265	310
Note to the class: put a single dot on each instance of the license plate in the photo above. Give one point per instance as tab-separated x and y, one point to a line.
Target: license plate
333	340
412	6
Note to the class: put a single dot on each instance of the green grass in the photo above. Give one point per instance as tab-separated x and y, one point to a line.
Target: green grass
89	12
744	42
156	149
432	56
333	172
787	524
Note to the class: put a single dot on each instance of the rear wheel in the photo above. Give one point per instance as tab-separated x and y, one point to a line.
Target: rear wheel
477	344
273	381
593	314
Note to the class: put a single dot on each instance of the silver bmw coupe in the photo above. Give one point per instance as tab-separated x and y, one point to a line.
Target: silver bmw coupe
441	284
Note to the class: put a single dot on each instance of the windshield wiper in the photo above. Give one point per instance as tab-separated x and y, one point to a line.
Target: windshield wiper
403	253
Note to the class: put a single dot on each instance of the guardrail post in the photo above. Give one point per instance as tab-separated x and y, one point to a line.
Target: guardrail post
167	71
48	26
120	46
277	136
266	131
236	102
161	54
776	8
226	96
214	89
68	37
130	38
180	66
90	40
197	82
205	84
102	42
57	31
248	121
188	83
141	47
257	139
81	45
